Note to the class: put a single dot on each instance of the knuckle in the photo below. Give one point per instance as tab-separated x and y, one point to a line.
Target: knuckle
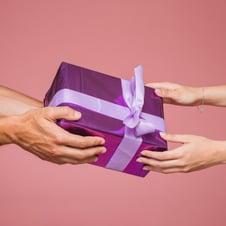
162	156
83	143
81	156
66	110
56	153
186	169
58	139
182	163
47	110
159	165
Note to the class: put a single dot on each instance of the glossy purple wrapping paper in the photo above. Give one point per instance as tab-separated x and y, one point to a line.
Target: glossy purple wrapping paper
107	88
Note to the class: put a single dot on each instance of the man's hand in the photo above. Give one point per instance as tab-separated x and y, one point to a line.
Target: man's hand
36	132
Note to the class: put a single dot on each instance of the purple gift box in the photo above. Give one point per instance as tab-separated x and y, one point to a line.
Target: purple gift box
128	115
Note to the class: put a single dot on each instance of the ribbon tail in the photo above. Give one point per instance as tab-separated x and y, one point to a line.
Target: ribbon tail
125	151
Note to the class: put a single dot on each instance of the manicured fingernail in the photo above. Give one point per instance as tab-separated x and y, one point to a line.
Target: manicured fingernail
77	114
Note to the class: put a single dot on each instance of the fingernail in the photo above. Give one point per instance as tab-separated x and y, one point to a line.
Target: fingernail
103	150
143	153
102	141
145	168
77	114
139	160
95	160
158	92
162	134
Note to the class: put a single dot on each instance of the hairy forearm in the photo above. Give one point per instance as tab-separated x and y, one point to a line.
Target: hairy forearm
13	102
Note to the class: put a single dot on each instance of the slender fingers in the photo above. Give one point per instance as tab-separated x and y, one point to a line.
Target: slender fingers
176	138
163	85
162	156
160	164
165	171
163	166
165	162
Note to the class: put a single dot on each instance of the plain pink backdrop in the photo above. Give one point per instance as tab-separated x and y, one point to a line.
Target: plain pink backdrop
180	41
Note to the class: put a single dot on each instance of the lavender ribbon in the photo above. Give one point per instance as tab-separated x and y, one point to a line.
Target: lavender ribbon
137	123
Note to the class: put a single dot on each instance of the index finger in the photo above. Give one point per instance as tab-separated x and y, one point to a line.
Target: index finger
166	155
162	85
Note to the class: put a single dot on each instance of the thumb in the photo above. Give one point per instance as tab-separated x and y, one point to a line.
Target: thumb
166	93
68	113
166	90
168	96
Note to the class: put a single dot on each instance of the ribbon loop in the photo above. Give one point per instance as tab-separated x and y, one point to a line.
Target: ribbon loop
133	94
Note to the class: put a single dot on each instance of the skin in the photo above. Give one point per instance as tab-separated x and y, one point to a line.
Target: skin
195	152
25	122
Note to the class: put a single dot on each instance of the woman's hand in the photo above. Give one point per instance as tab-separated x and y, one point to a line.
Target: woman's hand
195	153
173	93
36	132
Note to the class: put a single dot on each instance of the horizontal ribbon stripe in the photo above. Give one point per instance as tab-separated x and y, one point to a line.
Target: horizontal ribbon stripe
106	108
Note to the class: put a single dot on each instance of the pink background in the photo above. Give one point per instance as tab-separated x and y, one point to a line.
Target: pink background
180	41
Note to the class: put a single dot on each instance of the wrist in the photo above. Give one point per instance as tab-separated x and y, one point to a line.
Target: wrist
7	129
200	96
220	146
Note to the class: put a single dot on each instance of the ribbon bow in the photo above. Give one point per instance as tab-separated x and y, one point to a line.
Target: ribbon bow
133	94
